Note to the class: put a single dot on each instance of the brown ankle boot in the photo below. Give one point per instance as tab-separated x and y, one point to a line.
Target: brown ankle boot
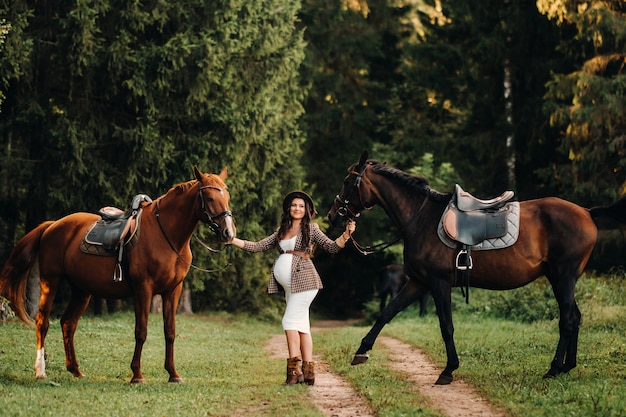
294	373
309	372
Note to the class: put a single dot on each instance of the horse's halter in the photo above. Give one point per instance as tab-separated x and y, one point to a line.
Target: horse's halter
344	211
215	228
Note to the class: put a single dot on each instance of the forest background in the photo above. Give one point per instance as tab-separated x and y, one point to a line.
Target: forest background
105	99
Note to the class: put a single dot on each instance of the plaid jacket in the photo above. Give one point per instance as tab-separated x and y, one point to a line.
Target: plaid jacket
304	276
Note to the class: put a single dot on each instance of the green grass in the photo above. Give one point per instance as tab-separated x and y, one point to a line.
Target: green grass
228	373
221	358
389	392
505	358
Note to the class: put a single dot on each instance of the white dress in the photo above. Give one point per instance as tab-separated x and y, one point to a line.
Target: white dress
296	315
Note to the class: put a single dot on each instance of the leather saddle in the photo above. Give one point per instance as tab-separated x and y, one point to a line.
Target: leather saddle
469	220
114	231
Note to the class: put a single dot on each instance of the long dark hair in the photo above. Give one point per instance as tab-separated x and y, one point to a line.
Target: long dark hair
285	222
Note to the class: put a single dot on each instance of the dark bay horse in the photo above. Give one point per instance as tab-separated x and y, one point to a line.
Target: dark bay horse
157	264
391	279
556	239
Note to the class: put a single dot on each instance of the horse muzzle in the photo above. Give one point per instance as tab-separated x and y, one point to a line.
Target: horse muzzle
225	229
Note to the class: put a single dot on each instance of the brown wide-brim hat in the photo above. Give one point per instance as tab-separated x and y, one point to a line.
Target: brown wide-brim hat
299	194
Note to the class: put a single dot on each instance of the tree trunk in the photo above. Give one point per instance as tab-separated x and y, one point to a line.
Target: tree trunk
510	139
100	307
184	305
33	291
157	304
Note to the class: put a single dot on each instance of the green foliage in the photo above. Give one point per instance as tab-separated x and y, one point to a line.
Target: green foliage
4	30
121	98
586	104
107	99
5	311
534	302
441	178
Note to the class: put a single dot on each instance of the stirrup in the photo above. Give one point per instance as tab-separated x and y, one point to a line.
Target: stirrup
468	263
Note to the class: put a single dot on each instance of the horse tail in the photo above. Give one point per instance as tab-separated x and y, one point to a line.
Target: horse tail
14	274
616	211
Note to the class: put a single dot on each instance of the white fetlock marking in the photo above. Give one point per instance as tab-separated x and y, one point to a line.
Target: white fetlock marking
40	363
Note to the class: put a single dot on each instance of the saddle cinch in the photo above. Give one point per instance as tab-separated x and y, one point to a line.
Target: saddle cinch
469	223
115	231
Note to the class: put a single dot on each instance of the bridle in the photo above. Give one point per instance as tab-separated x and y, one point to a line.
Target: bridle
215	228
344	212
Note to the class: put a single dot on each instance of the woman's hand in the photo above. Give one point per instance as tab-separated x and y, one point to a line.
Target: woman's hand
350	227
345	236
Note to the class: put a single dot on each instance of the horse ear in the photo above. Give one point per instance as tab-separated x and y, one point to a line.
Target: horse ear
224	173
198	174
363	158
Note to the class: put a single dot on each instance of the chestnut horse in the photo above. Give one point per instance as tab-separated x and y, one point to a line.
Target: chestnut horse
156	264
556	239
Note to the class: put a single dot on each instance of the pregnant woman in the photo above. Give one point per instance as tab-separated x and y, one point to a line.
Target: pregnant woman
295	273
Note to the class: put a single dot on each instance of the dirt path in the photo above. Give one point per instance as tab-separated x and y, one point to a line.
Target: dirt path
335	397
455	400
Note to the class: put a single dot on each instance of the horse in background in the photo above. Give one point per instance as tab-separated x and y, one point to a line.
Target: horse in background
391	279
157	263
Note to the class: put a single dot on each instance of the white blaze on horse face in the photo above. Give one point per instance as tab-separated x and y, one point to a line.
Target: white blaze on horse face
230	228
40	364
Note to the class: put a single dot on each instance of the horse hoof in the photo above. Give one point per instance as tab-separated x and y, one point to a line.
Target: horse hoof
177	380
360	358
444	380
137	381
549	375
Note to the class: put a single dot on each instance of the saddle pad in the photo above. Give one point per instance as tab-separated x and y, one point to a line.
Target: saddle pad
513	220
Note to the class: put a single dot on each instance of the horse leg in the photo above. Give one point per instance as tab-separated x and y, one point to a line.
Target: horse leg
424	303
443	301
170	303
42	323
142	301
409	293
69	321
570	358
569	323
383	301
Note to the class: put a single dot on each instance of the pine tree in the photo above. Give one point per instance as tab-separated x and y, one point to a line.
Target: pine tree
116	98
587	102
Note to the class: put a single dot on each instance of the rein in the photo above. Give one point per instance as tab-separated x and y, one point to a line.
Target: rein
212	225
379	247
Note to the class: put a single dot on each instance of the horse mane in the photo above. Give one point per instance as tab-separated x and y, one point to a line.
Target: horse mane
183	186
414	182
